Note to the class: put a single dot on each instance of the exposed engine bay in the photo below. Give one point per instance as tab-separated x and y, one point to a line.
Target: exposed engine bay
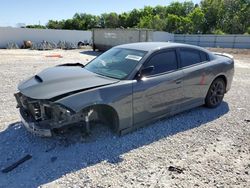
43	116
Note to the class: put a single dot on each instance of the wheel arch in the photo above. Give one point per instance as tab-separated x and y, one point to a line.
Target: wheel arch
208	99
223	77
105	113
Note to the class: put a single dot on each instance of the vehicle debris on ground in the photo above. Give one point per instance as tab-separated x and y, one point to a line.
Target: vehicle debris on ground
175	169
16	164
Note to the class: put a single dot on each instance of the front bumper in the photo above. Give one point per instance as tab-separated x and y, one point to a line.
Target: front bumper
34	127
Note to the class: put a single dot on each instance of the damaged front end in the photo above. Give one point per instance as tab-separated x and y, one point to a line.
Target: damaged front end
41	117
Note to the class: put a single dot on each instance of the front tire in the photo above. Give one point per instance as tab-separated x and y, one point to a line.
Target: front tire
215	93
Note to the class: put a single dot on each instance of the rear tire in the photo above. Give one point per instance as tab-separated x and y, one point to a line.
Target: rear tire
215	93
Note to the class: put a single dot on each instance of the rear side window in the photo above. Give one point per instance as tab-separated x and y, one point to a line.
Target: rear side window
163	62
204	56
189	57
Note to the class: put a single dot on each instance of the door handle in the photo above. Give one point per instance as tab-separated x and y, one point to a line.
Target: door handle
178	81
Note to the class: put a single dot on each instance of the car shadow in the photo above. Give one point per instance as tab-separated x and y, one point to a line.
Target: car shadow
69	152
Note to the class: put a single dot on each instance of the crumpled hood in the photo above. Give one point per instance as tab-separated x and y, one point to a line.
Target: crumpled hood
60	80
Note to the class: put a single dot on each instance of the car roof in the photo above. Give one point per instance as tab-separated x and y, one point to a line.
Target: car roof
152	46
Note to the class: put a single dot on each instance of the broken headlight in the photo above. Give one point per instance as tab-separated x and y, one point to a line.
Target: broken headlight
58	114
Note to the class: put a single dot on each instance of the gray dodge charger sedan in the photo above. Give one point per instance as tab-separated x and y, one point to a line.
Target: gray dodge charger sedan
126	87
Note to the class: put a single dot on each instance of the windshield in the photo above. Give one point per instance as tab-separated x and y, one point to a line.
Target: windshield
116	63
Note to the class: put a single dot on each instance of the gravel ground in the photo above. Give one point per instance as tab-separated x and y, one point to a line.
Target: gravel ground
211	146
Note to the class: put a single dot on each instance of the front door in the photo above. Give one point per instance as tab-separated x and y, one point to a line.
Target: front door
160	92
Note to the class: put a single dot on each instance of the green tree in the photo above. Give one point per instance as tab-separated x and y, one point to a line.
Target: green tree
161	11
152	19
248	30
85	21
53	24
188	7
110	20
186	26
180	9
35	26
152	22
68	24
213	11
133	18
211	16
123	20
197	18
147	11
178	24
236	16
218	32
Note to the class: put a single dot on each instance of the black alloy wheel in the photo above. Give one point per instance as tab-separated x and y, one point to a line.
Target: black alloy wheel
215	93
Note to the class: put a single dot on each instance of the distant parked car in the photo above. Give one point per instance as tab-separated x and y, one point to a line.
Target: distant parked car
126	87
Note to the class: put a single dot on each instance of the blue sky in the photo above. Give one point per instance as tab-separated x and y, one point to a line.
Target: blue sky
33	11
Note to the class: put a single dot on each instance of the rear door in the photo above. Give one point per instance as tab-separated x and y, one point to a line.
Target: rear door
160	92
194	64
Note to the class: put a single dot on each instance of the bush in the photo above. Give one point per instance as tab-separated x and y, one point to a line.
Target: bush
248	30
218	32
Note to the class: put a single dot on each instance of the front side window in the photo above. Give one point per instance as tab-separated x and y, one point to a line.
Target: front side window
116	63
163	62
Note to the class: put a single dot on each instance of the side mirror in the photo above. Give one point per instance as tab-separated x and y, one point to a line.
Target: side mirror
146	71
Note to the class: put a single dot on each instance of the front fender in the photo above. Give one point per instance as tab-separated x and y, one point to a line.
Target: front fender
118	96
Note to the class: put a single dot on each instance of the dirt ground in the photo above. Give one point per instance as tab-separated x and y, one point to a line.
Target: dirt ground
211	146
